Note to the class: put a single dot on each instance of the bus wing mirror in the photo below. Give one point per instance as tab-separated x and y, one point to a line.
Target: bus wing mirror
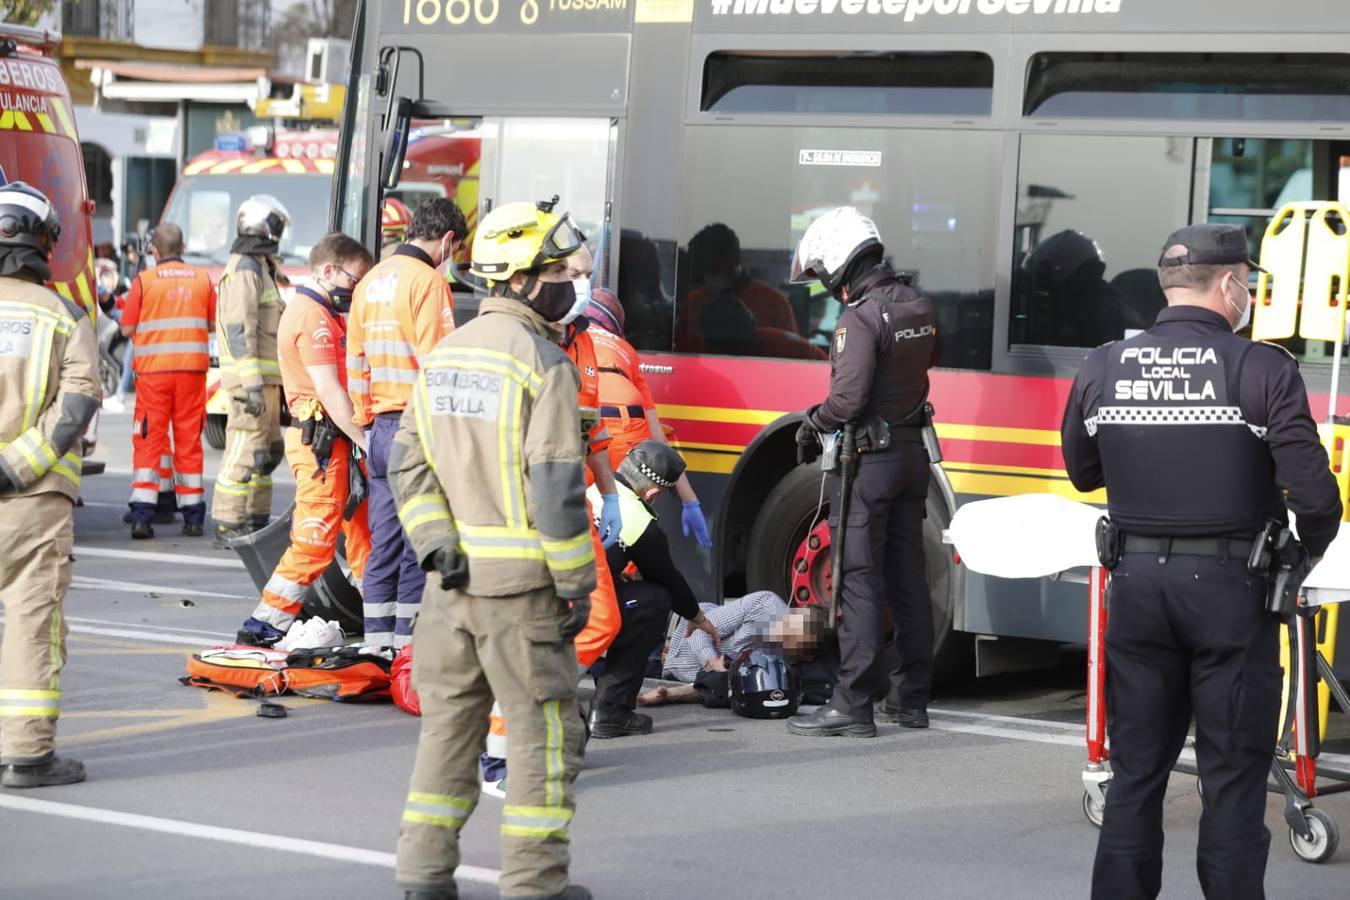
396	144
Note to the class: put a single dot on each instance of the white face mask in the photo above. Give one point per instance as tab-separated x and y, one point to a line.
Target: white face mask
582	286
1245	311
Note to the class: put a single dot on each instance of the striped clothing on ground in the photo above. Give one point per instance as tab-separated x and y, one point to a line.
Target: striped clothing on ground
739	622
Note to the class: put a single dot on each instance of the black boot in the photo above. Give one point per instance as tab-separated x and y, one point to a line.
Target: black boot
52	771
827	722
141	531
451	893
571	892
609	720
905	717
192	529
227	532
258	523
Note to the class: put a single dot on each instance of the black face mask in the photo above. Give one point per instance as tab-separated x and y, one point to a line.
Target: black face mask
555	299
341	298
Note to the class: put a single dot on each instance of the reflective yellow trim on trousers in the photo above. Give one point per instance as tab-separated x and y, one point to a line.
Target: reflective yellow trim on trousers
440	810
541	822
225	484
569	554
553	753
15	703
58	660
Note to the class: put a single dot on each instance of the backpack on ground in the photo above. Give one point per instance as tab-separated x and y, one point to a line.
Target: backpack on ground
344	674
240	670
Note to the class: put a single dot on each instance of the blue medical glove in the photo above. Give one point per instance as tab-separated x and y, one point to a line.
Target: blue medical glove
693	521
610	522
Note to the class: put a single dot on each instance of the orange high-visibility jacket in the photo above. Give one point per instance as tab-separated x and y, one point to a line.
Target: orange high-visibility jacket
173	307
400	311
581	350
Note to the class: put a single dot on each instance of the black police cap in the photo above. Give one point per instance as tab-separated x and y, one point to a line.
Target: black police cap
1209	245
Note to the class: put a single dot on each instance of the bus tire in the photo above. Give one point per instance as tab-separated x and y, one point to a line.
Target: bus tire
787	516
215	431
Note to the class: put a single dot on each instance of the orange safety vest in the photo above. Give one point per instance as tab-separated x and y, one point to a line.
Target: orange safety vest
173	307
624	399
581	350
400	312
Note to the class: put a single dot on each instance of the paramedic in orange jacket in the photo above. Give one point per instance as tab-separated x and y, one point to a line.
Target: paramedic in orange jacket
400	311
169	315
311	348
626	406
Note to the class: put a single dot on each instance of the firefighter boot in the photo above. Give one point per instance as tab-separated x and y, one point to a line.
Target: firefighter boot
571	892
450	893
192	529
258	523
226	532
141	531
828	722
52	771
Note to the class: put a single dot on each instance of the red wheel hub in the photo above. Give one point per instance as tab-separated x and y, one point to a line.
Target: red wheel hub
809	580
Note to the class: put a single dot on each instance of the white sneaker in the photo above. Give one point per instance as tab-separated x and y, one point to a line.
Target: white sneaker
310	634
495	789
114	404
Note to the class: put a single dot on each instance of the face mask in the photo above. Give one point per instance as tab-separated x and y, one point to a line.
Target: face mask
554	300
341	298
582	289
1245	311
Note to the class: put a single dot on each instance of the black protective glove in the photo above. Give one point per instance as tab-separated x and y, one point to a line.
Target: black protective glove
254	403
358	488
808	443
453	568
577	617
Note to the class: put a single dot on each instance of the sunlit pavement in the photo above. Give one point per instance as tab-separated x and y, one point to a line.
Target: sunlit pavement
193	796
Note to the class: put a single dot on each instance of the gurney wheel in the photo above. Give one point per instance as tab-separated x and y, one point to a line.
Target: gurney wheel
1325	838
1092	809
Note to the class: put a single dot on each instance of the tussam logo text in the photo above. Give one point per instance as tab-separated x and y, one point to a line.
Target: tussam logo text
910	10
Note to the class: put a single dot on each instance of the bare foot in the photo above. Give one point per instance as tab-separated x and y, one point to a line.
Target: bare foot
654	697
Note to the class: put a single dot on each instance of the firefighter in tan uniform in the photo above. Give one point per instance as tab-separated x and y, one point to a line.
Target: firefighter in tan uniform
49	390
487	472
247	316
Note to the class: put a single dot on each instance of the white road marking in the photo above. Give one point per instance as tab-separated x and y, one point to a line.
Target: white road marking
1013	720
214	562
261	840
131	587
155	637
167	629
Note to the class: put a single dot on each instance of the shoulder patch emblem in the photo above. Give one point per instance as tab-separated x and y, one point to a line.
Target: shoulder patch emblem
840	338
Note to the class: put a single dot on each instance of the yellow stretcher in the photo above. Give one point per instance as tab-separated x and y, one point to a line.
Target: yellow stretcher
1306	255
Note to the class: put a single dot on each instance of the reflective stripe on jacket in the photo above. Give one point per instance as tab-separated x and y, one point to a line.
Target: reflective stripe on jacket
400	310
490	456
173	307
248	313
49	387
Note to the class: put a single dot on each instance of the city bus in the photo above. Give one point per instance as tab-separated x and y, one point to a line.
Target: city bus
1023	159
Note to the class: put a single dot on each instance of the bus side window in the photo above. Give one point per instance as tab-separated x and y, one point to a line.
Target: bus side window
1092	212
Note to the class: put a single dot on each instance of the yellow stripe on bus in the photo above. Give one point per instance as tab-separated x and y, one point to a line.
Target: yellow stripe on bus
983	485
325	166
718	414
1043	437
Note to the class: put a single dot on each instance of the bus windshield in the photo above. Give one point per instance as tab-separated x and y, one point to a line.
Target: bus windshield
204	206
51	163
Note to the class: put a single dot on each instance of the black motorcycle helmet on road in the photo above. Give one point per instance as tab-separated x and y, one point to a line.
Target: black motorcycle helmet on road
764	685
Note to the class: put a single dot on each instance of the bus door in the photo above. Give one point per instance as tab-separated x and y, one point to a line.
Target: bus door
532	158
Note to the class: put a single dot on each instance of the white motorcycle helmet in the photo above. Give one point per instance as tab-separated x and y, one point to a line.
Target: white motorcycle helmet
831	243
262	215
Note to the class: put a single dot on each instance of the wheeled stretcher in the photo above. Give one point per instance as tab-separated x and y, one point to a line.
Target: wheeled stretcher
1042	535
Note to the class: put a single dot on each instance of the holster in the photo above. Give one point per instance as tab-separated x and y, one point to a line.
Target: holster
1110	543
873	434
1282	559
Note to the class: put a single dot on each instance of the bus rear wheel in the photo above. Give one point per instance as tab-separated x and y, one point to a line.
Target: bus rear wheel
789	554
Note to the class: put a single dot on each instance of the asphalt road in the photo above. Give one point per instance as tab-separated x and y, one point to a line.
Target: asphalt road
192	796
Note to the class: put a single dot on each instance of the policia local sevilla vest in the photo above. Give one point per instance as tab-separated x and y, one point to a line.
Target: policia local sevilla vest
1175	441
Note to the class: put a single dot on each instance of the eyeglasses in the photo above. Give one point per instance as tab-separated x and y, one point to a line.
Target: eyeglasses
350	277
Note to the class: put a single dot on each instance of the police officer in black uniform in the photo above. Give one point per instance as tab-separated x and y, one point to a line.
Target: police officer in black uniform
884	345
1197	435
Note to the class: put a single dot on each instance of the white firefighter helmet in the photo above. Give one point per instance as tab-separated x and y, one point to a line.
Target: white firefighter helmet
832	242
262	215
